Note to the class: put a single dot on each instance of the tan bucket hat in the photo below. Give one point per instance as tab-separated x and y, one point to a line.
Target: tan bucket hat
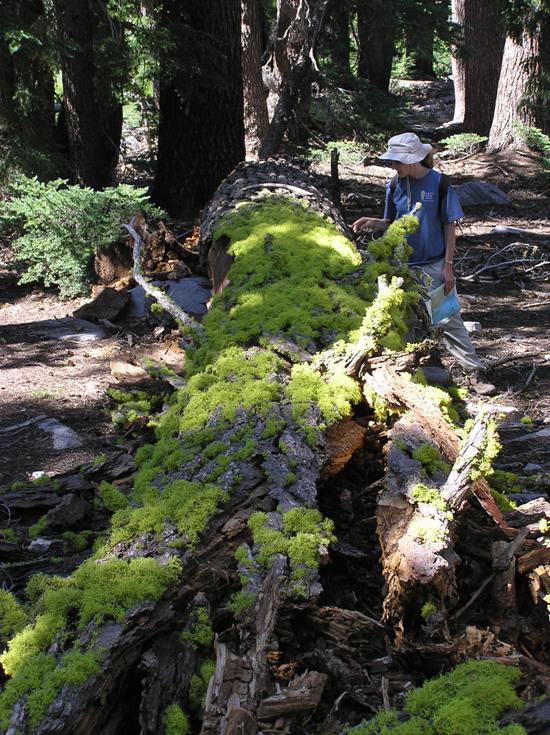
406	148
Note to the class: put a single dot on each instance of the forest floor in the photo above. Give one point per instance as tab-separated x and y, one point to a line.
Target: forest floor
67	379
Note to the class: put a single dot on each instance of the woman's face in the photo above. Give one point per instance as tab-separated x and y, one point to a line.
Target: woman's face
402	169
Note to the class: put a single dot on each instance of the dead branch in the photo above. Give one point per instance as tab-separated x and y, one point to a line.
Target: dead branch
159	295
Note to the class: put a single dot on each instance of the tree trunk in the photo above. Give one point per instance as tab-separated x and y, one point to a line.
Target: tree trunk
27	90
419	43
290	91
254	92
476	62
521	92
337	38
201	129
376	35
92	99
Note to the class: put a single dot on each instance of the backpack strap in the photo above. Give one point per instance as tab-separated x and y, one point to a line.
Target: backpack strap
443	189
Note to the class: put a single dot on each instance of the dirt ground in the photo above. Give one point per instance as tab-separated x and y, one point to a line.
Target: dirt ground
67	380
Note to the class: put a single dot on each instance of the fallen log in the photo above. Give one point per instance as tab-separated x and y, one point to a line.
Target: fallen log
222	538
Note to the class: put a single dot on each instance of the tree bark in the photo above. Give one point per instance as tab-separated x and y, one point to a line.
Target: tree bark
254	93
201	129
92	97
376	35
337	38
27	88
476	62
289	68
521	89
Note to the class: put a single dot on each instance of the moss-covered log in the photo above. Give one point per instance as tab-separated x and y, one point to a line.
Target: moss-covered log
223	532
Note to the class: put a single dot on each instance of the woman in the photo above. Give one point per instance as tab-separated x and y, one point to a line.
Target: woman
433	243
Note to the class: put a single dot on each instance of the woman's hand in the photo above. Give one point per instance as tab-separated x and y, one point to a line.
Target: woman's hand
448	277
369	223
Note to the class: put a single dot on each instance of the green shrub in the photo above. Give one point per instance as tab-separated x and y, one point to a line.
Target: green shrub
60	227
463	143
536	140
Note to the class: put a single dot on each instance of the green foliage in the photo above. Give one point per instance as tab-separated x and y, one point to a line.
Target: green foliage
431	459
175	721
111	497
201	633
241	600
37	528
41	680
9	535
76	541
463	143
470	699
362	114
13	617
60	227
505	482
95	591
536	140
199	684
502	501
333	393
351	152
428	608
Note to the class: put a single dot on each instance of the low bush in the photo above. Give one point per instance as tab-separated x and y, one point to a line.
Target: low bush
59	228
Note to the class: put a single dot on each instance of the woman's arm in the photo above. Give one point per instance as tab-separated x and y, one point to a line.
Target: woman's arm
447	273
370	223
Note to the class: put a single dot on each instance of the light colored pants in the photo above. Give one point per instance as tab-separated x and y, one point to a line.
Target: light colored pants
455	336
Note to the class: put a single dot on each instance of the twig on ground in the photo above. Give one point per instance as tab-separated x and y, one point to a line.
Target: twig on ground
16	428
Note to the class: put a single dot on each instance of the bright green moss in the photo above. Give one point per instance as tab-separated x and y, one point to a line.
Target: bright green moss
96	591
274	289
431	459
427	531
483	466
424	494
241	601
111	497
245	451
213	449
9	535
41	678
76	541
199	684
18	485
526	420
201	633
505	482
333	393
13	617
188	505
304	531
503	503
467	701
175	721
37	528
428	609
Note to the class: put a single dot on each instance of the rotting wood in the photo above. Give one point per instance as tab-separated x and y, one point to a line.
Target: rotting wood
243	691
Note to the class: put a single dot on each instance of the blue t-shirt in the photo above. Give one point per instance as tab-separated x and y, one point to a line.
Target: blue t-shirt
428	241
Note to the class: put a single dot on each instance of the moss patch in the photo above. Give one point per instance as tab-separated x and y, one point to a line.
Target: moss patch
468	700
